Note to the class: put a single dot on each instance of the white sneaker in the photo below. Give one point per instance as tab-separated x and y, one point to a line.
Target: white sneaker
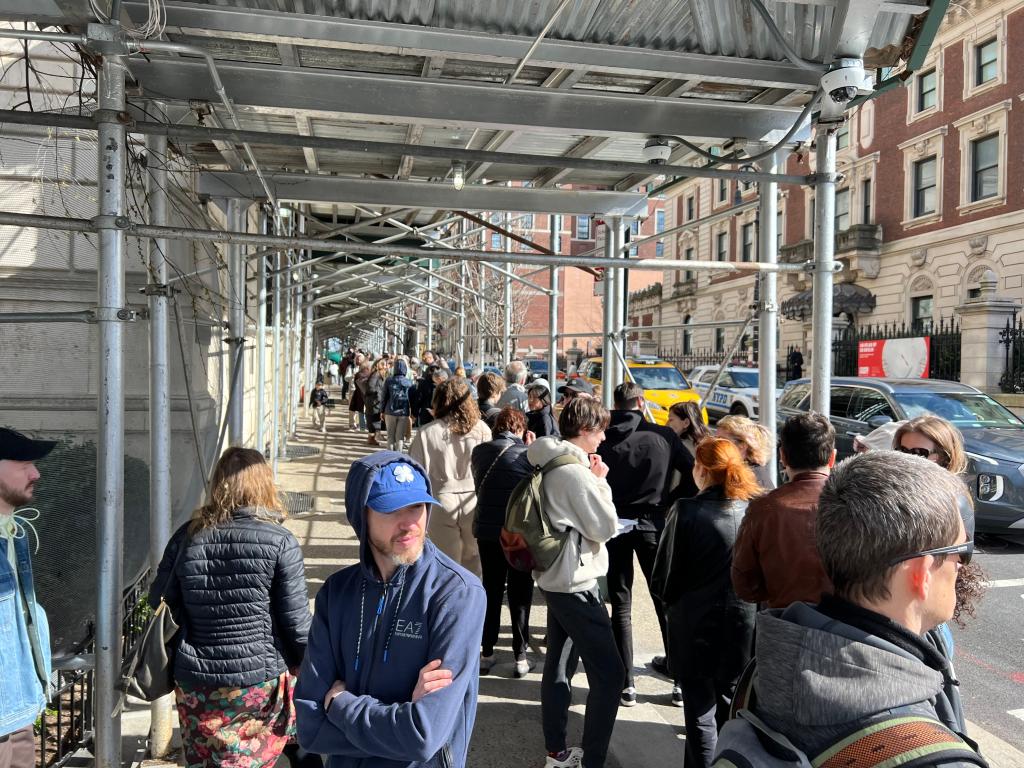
486	663
571	758
523	667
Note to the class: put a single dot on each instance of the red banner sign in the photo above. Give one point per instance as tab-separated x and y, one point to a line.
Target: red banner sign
894	358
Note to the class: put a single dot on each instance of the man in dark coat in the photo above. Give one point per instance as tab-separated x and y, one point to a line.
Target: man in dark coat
642	458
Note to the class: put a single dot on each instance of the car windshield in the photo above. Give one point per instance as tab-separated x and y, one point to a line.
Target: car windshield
745	378
538	366
658	378
964	409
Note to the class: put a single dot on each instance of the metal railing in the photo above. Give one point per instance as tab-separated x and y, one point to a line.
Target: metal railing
1012	337
67	723
944	346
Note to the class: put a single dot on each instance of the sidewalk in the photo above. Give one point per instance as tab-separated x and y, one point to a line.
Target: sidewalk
508	726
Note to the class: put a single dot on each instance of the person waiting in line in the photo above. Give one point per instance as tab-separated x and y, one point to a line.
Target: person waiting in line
539	418
234	578
684	418
516	374
318	400
577	498
395	405
489	388
460	373
421	397
710	629
498	467
359	384
755	442
374	400
444	447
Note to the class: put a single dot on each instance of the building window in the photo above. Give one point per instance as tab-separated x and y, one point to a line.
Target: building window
843	137
496	241
865	201
921	313
719	340
659	221
687	335
924	187
634	233
722	246
986	61
842	221
723	190
985	167
527	221
688	255
659	249
927	90
749	250
691	210
582	227
779	237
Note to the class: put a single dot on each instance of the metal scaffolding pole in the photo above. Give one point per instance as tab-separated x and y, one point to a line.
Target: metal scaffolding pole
506	322
261	344
296	351
556	227
824	250
430	308
162	718
768	311
460	346
236	316
112	156
609	315
481	305
275	366
618	283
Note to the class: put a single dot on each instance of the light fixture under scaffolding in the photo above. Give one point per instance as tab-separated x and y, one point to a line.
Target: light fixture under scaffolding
458	175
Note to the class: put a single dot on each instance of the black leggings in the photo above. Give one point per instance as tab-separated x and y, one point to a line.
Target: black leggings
496	574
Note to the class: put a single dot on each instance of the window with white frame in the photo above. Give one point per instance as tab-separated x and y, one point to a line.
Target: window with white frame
843	136
691	210
634	233
719	340
842	218
984	54
922	174
986	62
927	86
688	256
985	167
583	228
749	247
921	308
722	246
687	335
865	201
723	191
780	236
925	181
497	241
983	157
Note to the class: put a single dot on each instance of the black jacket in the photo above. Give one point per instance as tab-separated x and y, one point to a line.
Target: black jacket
542	422
421	397
240	597
373	397
319	397
642	459
710	630
488	412
493	494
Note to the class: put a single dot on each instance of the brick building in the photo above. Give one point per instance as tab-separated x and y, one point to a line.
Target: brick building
932	196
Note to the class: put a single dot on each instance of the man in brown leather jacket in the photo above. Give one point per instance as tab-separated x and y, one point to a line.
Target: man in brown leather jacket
775	560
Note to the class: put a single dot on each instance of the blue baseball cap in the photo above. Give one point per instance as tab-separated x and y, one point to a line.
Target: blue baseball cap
398	485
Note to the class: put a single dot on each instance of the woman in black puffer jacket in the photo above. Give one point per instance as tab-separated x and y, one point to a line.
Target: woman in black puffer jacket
239	593
498	466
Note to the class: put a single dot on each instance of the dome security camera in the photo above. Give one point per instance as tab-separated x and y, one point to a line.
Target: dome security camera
657	152
846	78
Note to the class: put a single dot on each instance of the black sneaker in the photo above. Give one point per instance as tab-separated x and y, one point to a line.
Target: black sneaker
628	697
660	665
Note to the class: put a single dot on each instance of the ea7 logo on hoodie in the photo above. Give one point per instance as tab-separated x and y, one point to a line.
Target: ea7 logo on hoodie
410	630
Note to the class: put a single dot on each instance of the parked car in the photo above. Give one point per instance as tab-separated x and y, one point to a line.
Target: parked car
538	368
736	393
663	383
993	436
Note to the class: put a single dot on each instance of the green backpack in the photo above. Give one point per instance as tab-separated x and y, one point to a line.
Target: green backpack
529	541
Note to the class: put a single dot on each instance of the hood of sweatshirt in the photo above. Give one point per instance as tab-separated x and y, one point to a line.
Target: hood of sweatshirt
816	672
544	449
357	491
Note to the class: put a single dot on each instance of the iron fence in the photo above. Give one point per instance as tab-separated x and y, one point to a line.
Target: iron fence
944	346
1012	337
687	361
66	724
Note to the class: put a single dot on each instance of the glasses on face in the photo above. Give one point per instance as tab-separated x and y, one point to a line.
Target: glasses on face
965	551
924	453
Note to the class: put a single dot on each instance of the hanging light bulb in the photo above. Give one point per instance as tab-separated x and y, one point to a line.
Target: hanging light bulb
458	175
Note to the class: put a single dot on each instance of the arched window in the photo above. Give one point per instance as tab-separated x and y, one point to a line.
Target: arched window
719	340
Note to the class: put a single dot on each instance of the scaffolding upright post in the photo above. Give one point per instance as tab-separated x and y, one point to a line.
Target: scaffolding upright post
556	228
261	343
275	426
481	311
824	251
460	347
429	343
506	342
767	210
236	318
162	717
112	139
295	295
607	342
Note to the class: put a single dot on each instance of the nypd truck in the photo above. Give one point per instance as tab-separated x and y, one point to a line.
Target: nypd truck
736	393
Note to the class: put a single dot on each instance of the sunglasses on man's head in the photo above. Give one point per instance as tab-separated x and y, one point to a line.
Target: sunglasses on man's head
965	552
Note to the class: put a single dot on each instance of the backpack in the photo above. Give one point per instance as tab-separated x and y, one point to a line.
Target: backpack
529	541
893	740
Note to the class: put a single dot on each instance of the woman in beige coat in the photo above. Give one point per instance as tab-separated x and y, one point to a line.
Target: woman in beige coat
445	447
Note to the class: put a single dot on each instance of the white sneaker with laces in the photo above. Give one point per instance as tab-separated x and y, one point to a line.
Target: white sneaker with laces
523	667
571	758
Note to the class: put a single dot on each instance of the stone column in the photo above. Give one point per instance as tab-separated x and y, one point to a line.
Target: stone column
982	356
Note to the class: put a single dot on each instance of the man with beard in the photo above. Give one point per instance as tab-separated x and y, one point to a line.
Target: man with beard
25	642
390	672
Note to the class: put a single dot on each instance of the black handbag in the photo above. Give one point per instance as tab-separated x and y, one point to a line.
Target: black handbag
148	670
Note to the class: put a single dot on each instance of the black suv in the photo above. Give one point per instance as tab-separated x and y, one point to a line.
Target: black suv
993	437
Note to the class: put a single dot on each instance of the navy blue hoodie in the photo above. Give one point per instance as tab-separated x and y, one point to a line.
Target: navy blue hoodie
396	392
432	609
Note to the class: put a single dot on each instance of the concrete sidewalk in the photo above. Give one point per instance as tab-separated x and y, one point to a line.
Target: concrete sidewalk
508	728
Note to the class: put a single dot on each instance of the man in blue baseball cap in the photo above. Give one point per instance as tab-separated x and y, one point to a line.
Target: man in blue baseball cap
26	647
390	672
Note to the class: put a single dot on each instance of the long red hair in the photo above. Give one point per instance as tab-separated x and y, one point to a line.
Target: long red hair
724	465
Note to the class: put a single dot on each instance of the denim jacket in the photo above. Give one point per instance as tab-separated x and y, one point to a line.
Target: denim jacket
22	697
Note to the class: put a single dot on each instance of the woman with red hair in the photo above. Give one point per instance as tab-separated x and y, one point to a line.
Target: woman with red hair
710	630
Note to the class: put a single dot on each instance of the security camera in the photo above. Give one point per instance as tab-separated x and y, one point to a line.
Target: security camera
657	151
843	81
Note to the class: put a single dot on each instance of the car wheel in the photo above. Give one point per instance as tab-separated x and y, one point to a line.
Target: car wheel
739	410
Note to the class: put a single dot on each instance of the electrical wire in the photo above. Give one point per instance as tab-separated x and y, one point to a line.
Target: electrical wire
153	28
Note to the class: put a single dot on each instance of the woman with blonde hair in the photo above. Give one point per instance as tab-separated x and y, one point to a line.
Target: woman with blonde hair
756	443
933	438
710	630
373	400
234	578
444	448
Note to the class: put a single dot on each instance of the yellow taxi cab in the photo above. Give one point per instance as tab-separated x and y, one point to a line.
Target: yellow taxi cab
664	384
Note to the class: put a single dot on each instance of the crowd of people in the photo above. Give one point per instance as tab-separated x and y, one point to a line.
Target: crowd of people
798	621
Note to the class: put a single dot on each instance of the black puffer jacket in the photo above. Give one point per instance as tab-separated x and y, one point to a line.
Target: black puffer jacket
493	493
240	596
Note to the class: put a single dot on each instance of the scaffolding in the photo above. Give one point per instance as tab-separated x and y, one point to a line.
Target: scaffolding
352	253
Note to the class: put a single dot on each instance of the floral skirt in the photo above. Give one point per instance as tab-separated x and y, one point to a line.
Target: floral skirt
236	727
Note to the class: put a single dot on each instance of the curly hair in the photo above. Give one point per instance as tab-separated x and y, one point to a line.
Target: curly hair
510	419
242	478
756	439
946	436
453	403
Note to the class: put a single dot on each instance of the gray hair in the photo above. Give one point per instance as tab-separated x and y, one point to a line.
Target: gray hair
439	375
877	507
515	372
